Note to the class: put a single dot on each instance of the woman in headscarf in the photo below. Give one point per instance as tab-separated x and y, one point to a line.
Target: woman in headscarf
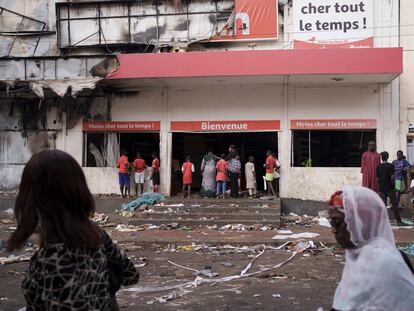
208	169
375	276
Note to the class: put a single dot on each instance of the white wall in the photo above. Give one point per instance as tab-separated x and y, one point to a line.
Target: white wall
322	102
407	78
245	102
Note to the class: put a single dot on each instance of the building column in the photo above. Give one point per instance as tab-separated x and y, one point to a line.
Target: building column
165	147
285	141
388	122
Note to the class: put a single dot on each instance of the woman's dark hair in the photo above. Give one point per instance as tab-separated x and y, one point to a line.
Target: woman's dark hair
55	200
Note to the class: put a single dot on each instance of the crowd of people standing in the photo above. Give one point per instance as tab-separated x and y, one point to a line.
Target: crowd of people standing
219	172
221	175
389	180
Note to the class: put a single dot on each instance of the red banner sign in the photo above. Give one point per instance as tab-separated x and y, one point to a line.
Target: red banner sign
254	20
225	126
341	124
121	126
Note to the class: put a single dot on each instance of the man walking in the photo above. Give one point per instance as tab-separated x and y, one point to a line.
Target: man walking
369	162
385	176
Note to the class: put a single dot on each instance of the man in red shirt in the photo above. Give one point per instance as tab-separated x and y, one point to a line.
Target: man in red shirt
155	172
270	167
140	166
123	166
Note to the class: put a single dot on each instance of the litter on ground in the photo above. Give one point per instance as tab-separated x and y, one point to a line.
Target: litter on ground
295	236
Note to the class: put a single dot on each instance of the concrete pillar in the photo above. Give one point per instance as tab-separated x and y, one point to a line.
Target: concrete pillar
388	122
165	147
285	142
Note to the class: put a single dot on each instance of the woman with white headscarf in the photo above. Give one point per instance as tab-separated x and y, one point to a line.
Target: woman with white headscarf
375	276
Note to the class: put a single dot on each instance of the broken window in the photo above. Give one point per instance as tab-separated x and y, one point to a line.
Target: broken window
139	22
329	148
103	149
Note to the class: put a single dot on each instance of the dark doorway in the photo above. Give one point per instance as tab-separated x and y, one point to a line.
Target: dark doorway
196	145
145	143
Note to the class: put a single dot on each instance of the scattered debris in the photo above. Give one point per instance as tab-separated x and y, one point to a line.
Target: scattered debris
100	218
9	211
125	213
200	280
170	205
186	248
126	228
13	259
143	207
6	221
207	272
14	272
324	222
227	264
173	295
284	231
296	236
276	296
173	225
241	227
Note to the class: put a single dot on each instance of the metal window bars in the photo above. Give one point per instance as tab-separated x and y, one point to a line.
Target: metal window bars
21	32
103	11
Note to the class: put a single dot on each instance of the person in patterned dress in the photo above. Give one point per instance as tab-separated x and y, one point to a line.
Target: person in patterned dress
77	266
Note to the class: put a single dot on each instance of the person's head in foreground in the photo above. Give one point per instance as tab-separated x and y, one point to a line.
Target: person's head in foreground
400	155
55	200
371	145
70	268
375	276
269	153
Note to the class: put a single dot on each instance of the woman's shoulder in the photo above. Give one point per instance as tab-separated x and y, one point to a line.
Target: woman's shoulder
381	257
59	253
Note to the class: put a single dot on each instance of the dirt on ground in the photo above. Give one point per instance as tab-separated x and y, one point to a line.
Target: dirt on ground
175	265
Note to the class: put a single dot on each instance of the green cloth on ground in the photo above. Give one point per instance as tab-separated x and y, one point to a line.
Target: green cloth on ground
147	198
409	250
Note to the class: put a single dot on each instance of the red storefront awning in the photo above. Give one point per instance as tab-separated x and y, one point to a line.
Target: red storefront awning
371	65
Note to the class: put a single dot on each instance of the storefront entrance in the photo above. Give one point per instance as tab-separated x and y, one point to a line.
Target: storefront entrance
248	144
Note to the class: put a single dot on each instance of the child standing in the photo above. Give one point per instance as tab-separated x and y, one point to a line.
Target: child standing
122	164
140	166
188	170
221	177
250	176
155	172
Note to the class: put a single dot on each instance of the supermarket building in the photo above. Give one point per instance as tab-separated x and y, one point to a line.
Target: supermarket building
315	102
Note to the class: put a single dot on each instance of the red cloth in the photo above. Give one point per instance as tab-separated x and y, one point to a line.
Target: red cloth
369	163
187	173
122	164
156	164
139	165
221	170
270	164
